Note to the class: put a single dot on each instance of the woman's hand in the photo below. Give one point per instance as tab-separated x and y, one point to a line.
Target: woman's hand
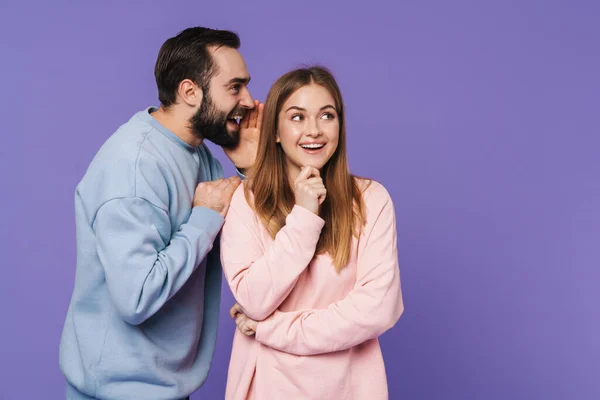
245	325
309	189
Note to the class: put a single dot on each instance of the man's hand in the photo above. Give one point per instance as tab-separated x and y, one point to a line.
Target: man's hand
245	325
216	194
244	154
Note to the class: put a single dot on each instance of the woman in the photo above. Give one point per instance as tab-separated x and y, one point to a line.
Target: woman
309	252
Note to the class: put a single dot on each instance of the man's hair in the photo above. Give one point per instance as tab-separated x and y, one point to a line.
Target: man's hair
186	56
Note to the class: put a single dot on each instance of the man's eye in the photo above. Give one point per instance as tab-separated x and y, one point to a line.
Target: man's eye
236	88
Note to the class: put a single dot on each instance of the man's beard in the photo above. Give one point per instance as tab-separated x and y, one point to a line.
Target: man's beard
211	123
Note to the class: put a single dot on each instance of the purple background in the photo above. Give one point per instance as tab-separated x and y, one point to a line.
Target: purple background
480	119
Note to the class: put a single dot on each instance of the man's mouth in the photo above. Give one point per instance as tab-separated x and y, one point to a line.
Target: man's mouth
235	119
236	116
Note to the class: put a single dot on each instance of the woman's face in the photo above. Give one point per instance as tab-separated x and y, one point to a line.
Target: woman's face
308	128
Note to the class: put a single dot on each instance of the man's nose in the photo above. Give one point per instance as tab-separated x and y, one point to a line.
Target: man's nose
246	99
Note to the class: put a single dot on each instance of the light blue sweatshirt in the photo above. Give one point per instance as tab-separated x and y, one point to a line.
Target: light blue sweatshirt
143	317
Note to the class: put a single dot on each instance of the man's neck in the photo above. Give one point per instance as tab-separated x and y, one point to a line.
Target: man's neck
173	120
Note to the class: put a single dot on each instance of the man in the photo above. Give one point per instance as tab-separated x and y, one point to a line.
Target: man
144	312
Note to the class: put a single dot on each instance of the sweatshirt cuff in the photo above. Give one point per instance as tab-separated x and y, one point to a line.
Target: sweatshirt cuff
207	220
305	220
262	329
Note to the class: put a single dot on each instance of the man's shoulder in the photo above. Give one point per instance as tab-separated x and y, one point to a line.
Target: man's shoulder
124	143
115	164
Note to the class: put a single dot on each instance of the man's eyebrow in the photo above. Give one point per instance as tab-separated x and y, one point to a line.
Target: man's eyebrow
243	81
304	109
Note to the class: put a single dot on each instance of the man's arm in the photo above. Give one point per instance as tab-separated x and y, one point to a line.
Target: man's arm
144	265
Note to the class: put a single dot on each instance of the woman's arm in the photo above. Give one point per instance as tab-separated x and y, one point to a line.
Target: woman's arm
372	307
260	280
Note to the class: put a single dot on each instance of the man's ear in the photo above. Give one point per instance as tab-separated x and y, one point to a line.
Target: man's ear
190	93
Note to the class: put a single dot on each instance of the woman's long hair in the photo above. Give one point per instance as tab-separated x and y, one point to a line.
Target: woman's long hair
343	209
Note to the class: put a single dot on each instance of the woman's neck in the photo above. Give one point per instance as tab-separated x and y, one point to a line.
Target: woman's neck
293	171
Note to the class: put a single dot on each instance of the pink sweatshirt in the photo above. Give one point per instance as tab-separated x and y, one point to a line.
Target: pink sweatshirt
317	335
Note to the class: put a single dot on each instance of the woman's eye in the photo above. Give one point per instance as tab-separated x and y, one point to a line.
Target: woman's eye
297	117
328	116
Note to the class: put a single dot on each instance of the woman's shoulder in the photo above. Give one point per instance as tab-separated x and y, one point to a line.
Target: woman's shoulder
372	190
241	201
376	199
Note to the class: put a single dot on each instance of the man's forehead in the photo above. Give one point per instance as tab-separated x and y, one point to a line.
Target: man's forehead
230	63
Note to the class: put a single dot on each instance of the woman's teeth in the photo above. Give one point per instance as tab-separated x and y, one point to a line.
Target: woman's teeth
312	146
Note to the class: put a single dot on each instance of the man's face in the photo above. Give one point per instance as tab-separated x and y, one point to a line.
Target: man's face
226	101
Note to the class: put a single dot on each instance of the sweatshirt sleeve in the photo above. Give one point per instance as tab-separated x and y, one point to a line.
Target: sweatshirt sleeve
372	307
260	279
144	264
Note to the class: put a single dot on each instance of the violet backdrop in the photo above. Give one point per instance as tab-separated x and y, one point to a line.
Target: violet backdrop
481	119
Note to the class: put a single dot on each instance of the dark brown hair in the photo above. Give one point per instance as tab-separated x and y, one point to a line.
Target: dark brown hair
186	56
